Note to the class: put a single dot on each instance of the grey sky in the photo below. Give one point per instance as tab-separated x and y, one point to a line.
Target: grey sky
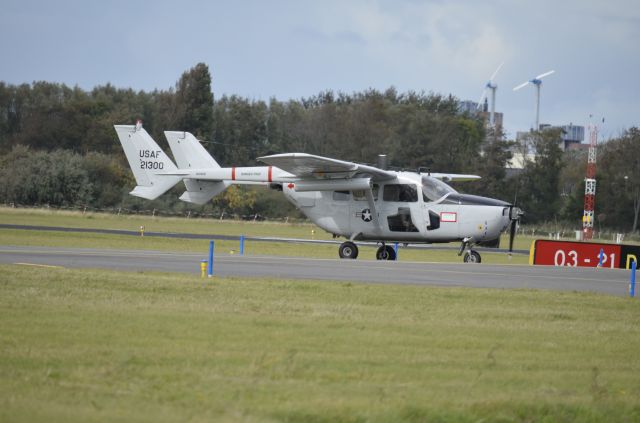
293	49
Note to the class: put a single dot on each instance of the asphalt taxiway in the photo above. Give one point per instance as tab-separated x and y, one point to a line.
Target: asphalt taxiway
607	281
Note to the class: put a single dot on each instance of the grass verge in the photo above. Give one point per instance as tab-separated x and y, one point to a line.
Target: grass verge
94	345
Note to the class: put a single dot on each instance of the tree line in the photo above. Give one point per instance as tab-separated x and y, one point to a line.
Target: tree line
58	146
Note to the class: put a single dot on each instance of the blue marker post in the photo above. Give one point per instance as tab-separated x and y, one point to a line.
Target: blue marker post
632	282
210	272
395	248
601	256
242	245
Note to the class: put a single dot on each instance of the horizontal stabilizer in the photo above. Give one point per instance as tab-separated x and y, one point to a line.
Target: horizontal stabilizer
200	192
156	190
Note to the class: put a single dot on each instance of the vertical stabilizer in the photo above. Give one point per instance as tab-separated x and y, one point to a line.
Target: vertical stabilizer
190	154
148	162
188	151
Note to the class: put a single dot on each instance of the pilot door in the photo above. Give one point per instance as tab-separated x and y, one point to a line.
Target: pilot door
441	219
441	216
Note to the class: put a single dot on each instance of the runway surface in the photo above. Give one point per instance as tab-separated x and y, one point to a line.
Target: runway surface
608	281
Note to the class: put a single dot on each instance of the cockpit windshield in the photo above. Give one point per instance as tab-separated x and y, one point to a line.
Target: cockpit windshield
434	189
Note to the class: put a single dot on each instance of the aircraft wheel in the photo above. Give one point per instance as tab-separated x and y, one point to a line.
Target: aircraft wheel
386	252
348	250
472	256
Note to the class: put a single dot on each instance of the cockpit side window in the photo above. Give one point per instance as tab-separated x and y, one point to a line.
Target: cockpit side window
434	189
403	193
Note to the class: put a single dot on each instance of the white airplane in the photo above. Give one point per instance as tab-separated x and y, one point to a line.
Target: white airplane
355	201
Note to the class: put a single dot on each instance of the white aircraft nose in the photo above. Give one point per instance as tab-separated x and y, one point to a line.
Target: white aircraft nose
506	221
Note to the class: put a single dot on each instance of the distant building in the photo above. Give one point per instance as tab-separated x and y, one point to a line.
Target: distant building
517	162
471	107
572	135
497	117
467	106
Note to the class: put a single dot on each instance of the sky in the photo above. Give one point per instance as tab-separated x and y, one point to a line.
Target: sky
294	49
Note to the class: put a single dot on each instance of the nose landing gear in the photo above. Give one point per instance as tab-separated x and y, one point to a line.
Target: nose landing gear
470	255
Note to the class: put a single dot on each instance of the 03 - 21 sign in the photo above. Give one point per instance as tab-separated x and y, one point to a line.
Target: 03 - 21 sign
583	254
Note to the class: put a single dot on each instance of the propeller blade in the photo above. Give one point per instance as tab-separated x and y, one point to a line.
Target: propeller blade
524	84
495	73
512	234
484	94
544	74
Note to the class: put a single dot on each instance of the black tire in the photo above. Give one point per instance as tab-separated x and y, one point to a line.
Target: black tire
348	250
472	257
386	252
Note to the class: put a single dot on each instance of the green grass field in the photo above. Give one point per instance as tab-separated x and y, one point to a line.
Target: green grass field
79	345
73	219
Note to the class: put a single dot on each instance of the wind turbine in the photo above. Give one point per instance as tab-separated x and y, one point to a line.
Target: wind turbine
490	85
537	81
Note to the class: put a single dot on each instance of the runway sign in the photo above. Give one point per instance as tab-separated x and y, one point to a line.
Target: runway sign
583	254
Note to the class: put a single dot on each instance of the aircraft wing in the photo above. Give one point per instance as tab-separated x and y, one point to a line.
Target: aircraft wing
309	166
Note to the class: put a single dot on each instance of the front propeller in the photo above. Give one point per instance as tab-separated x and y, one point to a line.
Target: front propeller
514	215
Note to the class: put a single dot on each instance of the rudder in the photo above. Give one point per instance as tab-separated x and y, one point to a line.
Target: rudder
188	151
190	154
147	161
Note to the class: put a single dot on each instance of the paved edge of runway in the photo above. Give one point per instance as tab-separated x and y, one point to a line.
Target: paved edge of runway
603	281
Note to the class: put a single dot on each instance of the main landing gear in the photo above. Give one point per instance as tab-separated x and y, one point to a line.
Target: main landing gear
385	252
349	250
470	255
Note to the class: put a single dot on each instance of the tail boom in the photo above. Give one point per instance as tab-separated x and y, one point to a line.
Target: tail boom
203	177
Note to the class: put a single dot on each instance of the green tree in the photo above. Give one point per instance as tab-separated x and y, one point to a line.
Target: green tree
109	179
491	166
572	174
194	102
236	200
57	178
538	191
618	181
240	133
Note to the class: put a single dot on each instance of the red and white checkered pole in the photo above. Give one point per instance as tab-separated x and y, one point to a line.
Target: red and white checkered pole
590	185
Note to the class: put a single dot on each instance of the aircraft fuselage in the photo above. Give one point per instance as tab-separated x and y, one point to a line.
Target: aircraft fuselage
403	212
